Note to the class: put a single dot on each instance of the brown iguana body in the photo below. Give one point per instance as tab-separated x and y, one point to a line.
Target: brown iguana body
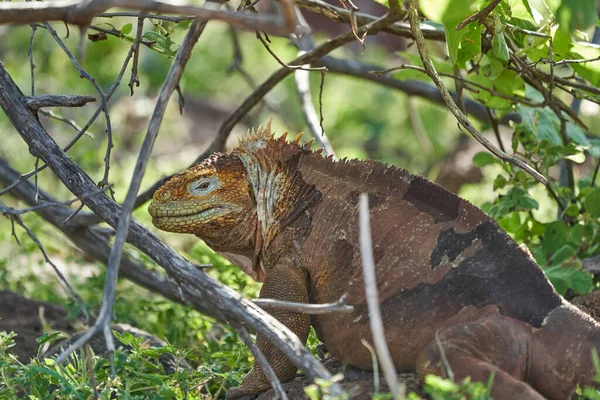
289	216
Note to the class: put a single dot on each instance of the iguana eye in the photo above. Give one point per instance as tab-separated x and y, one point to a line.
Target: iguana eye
203	186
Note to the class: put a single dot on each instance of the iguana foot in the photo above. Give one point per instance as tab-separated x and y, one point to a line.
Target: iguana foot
254	383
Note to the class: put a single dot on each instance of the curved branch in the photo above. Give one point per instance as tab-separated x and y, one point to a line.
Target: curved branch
460	116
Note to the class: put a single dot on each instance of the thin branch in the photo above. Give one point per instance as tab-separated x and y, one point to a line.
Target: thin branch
103	321
45	204
89	239
82	12
467	83
526	31
410	87
203	292
58	100
564	61
103	98
283	64
480	15
462	119
134	79
82	132
262	361
459	85
65	120
31	63
15	218
301	79
312	309
151	16
495	127
342	15
307	58
376	322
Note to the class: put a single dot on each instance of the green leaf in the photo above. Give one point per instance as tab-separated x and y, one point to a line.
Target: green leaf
592	203
450	13
590	71
555	236
46	337
572	210
484	158
465	48
182	25
126	29
521	9
581	234
499	47
562	255
577	14
562	42
567	278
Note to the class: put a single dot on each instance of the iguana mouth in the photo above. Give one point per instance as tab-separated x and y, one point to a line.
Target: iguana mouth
162	214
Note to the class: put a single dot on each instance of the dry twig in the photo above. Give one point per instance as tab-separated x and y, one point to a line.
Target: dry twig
261	360
103	321
203	292
82	12
368	263
58	100
312	309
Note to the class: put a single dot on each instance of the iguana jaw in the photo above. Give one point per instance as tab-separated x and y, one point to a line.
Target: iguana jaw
186	220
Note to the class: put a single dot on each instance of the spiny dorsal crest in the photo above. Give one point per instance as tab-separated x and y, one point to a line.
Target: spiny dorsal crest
263	137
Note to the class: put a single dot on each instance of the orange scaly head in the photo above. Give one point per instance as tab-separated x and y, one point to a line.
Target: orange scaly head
212	201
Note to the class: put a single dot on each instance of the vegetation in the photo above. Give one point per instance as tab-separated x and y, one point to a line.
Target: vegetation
533	65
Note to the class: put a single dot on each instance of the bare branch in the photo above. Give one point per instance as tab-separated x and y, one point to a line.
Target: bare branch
480	15
307	58
410	87
15	218
82	13
368	263
58	100
134	79
301	78
342	15
103	98
151	16
89	239
283	64
81	132
467	83
312	309
202	291
262	361
462	119
103	321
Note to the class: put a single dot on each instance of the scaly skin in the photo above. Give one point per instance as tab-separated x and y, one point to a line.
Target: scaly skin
289	217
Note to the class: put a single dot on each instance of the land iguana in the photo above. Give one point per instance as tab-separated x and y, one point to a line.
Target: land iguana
455	290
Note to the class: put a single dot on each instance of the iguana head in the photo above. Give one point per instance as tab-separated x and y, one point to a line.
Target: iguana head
237	202
212	200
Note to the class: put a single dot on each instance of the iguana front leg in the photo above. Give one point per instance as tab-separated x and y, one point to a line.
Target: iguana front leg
286	282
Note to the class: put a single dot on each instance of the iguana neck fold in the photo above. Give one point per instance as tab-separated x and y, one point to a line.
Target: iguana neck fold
271	167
